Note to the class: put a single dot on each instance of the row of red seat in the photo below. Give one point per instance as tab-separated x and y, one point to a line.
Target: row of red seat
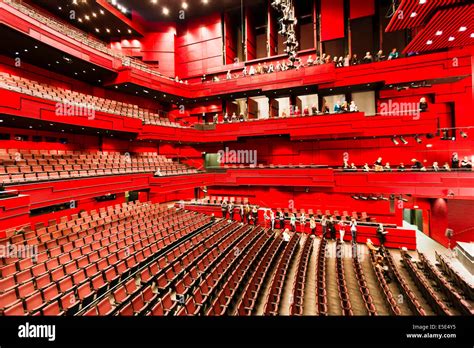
277	283
382	282
452	294
413	302
322	298
421	282
226	280
251	291
187	267
93	266
341	282
457	277
363	287
299	284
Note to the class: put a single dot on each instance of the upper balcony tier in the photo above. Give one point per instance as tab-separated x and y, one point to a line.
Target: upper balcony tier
134	76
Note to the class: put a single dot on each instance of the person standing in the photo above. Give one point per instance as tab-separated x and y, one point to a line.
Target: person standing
353	225
266	218
242	213
381	233
255	215
293	222
302	222
282	220
324	223
332	227
247	212
231	210
312	225
342	230
272	219
224	209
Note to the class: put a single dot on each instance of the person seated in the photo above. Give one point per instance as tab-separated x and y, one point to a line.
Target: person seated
234	118
244	72
328	59
379	57
378	165
226	118
371	246
368	58
366	168
417	165
387	167
338	107
271	68
241	117
284	67
265	68
401	167
323	59
353	166
251	71
446	167
216	78
353	107
259	69
394	54
229	75
314	110
423	104
203	78
215	119
345	165
340	62
335	60
465	163
176	79
345	106
284	113
347	60
278	66
435	167
310	61
297	112
306	111
355	60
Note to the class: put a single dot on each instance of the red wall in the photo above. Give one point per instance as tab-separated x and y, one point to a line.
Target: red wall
332	19
199	45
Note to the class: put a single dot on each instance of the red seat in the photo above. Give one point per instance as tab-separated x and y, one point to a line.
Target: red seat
104	307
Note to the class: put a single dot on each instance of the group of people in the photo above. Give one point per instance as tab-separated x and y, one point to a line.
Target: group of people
247	213
378	166
339	62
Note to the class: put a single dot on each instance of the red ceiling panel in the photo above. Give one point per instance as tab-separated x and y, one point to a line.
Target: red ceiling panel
456	23
414	13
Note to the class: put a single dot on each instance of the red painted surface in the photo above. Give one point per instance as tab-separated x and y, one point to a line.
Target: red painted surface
199	45
361	8
332	19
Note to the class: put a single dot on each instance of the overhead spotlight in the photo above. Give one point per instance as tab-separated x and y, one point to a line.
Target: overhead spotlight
205	1
184	5
166	11
395	141
462	29
463	134
403	140
364	198
383	198
418	139
355	197
154	1
374	198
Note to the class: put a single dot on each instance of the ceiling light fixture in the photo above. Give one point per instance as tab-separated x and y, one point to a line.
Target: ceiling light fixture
451	38
166	11
462	29
439	32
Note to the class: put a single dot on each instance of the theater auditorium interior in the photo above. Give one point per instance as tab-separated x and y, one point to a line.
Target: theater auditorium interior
236	158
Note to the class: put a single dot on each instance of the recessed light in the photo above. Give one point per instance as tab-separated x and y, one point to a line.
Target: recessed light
429	42
462	29
94	14
205	1
422	2
429	145
166	11
154	1
472	35
451	38
413	14
184	5
439	32
101	12
129	31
